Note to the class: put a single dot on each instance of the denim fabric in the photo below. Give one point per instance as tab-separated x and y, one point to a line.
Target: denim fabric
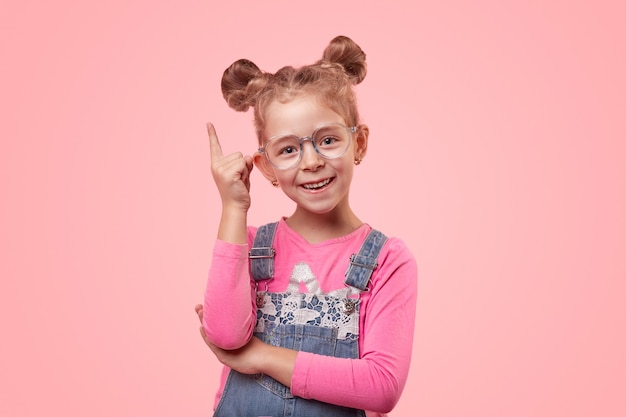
261	395
363	264
244	397
324	324
262	253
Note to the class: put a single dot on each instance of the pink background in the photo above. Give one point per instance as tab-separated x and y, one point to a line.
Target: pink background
497	152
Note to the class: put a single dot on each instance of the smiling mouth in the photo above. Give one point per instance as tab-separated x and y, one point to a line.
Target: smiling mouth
317	185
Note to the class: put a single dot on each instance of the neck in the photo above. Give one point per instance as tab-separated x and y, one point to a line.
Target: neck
315	228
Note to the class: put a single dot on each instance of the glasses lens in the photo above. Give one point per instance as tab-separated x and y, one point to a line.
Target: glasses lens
283	151
331	141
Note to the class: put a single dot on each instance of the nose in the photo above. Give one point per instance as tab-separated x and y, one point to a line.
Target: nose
310	158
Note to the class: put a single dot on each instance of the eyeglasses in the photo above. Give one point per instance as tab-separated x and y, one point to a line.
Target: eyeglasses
330	141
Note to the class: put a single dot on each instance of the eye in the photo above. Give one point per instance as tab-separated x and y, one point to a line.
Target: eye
287	150
328	140
283	147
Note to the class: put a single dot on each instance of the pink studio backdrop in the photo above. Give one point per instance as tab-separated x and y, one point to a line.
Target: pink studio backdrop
497	153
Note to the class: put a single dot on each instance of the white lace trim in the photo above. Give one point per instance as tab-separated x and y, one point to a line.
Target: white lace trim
331	310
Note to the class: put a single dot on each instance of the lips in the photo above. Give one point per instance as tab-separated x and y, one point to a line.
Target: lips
317	185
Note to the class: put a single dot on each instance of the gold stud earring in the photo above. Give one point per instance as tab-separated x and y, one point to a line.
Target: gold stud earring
275	183
357	161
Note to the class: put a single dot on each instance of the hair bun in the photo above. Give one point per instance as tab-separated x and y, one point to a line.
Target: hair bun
345	52
241	83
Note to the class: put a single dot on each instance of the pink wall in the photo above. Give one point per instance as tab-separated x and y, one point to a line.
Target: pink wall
497	152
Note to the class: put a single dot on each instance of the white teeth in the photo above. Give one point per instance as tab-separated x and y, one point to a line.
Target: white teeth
316	185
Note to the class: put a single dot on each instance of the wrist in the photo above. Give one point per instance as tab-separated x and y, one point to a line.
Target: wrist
235	207
233	226
277	362
264	359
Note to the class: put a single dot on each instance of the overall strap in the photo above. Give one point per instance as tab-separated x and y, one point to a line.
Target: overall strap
262	253
363	264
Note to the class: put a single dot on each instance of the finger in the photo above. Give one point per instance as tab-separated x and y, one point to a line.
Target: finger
214	143
199	311
249	165
245	174
233	159
230	167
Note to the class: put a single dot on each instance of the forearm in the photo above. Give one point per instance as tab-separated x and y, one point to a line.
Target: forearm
233	225
357	383
278	362
228	311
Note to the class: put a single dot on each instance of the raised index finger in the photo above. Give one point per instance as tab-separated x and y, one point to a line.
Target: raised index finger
214	143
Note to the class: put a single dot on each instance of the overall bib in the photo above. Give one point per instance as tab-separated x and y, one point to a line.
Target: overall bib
322	323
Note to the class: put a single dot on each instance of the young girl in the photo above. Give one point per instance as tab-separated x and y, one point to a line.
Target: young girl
312	315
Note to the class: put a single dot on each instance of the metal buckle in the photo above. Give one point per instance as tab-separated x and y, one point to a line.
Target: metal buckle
260	295
272	252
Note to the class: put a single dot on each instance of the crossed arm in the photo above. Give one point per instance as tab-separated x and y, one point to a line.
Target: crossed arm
255	357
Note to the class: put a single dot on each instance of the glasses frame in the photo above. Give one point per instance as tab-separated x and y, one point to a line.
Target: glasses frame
351	130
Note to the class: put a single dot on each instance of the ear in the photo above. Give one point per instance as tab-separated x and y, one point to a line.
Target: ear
260	161
360	142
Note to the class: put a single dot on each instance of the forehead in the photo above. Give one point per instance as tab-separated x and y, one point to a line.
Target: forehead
300	116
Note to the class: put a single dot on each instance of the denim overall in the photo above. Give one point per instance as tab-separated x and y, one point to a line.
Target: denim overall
322	323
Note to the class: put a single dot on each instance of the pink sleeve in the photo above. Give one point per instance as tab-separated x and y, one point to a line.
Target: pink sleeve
375	381
229	315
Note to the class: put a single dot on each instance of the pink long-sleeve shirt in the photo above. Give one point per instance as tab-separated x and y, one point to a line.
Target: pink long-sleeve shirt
373	382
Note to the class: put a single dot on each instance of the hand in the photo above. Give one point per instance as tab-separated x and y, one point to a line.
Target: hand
231	173
245	360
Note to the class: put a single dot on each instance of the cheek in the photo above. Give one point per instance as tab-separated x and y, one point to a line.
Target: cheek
284	177
346	168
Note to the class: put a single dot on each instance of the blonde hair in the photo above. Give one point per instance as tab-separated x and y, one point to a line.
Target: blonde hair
331	79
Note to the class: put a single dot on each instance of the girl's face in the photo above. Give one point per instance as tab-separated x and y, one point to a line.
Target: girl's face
316	184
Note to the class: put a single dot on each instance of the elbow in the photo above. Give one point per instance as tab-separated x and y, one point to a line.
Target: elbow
388	407
229	343
226	341
228	338
389	394
386	403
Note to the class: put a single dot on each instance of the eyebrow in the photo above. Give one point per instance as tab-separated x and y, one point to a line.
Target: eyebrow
324	126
